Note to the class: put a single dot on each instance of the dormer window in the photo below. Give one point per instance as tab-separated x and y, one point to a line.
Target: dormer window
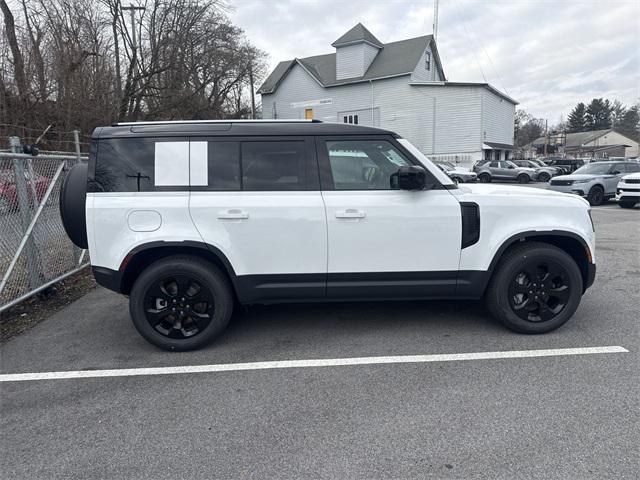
427	60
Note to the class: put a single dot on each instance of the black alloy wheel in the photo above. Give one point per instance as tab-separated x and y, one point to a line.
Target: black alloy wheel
536	288
539	291
179	306
544	177
484	178
181	302
523	178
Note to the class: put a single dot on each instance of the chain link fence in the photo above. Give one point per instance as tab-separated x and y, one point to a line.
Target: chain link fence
35	251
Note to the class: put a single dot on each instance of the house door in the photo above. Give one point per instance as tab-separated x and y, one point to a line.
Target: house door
308	113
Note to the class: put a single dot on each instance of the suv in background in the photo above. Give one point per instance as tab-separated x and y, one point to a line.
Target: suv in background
544	172
489	170
596	181
628	190
190	219
568	165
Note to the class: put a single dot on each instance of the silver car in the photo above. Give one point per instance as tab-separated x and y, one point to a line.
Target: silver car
457	174
596	182
545	173
504	170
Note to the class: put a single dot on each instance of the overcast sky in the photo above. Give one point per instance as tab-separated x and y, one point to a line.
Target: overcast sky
548	55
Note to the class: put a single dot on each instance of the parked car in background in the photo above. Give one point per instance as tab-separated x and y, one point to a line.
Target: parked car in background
503	170
544	172
9	192
567	164
628	190
597	182
458	175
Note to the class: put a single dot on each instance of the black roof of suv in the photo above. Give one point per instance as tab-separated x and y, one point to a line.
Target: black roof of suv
235	128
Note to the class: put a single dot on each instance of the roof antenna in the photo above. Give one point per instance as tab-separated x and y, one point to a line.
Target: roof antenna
435	19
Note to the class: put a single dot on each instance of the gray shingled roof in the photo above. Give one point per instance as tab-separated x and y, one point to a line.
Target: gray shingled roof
395	58
579	138
359	33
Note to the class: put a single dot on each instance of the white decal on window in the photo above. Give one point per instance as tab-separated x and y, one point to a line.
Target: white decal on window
198	160
171	164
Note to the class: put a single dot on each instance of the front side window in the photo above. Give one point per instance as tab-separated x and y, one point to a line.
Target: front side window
363	164
273	166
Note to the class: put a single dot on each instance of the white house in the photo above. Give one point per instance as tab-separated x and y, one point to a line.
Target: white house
400	86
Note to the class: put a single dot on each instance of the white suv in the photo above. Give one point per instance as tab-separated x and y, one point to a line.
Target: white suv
192	218
628	190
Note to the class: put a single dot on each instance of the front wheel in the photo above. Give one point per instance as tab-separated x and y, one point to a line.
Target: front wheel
536	288
544	177
484	178
181	303
522	178
596	196
627	204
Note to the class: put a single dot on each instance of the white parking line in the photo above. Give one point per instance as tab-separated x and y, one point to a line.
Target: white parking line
328	362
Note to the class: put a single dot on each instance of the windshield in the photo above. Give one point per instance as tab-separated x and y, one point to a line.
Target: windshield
428	164
595	169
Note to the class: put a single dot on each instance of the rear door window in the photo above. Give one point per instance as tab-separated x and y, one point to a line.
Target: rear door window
273	165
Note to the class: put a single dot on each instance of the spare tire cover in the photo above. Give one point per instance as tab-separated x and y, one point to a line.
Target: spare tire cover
72	204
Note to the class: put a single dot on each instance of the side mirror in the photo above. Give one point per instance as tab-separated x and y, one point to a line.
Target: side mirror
412	177
616	172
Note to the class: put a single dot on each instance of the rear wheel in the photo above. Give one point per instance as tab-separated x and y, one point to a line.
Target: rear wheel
484	178
181	303
536	288
596	195
627	204
523	178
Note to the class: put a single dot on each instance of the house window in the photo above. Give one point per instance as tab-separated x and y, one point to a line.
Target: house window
427	60
355	119
346	120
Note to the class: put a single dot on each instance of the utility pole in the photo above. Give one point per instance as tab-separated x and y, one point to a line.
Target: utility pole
435	19
253	96
134	44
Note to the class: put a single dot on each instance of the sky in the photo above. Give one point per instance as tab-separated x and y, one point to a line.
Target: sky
548	55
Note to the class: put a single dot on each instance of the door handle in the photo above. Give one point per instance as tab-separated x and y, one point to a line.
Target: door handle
351	213
233	214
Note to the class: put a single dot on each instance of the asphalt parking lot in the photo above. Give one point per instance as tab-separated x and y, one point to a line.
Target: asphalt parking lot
561	416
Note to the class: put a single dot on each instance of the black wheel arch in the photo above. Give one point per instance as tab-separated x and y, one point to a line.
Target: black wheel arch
571	243
144	255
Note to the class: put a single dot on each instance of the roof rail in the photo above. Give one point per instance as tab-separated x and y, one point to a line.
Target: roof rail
182	122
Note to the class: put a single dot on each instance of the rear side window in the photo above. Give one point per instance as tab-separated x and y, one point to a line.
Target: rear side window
124	165
224	165
273	166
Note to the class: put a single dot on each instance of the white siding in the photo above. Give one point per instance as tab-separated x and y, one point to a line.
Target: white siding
615	138
421	74
498	116
353	60
438	119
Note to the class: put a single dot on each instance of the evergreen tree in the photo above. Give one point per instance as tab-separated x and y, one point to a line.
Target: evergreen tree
630	123
618	111
576	120
598	115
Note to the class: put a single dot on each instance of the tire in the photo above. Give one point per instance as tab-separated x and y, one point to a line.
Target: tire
627	204
515	302
522	178
596	195
544	177
73	195
484	178
207	294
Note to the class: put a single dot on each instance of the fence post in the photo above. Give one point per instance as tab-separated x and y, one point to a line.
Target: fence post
24	210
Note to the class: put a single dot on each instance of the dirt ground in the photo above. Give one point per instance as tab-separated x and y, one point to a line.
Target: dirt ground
26	314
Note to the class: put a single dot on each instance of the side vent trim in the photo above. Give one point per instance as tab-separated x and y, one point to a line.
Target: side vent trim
470	223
